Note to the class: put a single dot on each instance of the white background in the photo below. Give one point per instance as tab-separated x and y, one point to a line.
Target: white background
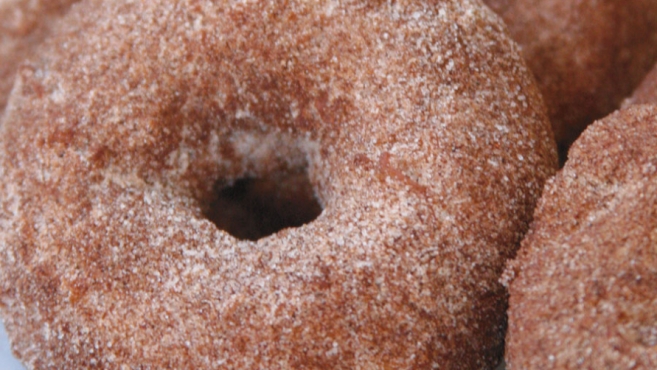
7	361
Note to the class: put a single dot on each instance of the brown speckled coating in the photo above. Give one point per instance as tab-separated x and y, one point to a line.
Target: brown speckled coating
583	289
422	135
24	24
586	55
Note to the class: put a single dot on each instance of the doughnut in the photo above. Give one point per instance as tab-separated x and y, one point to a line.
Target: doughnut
586	55
583	288
24	25
415	127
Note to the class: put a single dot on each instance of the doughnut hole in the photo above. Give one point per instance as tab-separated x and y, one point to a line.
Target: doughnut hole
252	208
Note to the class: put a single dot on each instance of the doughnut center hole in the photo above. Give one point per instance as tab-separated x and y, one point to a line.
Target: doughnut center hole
253	208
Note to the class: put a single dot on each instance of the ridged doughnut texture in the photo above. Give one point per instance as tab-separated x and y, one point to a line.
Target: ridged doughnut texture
586	55
24	24
416	121
583	289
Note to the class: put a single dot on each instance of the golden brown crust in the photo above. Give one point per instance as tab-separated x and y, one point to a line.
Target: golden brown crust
421	132
583	289
23	26
586	55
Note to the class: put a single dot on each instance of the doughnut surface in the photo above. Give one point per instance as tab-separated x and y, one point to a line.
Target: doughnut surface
24	24
586	55
583	289
417	124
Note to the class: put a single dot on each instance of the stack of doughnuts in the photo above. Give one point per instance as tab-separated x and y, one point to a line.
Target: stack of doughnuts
583	288
416	126
196	184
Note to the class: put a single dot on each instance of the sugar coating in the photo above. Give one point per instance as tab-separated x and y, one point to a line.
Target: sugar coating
23	26
586	55
417	122
583	289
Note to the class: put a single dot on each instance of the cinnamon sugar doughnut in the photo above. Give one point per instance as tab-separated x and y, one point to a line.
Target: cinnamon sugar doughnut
24	25
583	289
586	55
415	124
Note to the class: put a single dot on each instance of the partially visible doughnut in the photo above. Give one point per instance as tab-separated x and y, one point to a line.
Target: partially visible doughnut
24	25
586	55
646	93
416	124
583	289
